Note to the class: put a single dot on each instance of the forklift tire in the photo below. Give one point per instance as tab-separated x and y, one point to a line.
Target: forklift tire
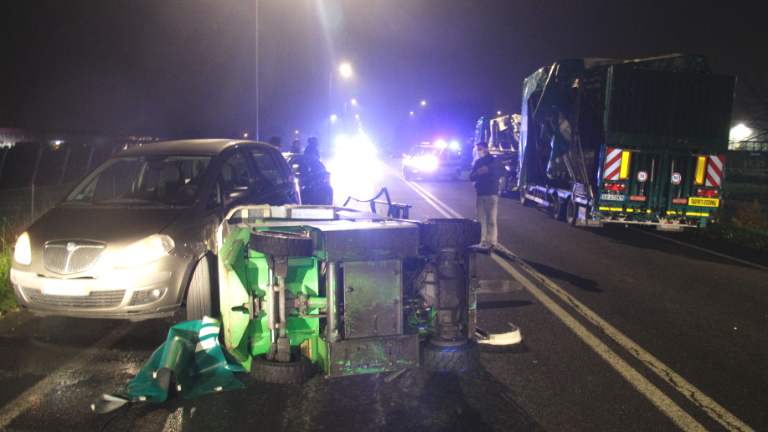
201	292
450	359
297	371
572	214
449	233
281	243
558	209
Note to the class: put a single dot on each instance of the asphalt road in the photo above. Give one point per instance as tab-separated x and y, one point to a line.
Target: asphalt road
623	330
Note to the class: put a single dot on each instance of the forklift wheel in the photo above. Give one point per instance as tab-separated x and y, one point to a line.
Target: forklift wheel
572	213
449	359
298	370
281	243
559	207
449	233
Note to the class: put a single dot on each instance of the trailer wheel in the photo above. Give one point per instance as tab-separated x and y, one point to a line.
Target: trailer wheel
572	213
281	243
201	297
297	371
559	209
449	233
450	359
525	201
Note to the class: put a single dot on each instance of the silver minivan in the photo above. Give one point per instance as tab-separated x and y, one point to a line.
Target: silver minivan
136	238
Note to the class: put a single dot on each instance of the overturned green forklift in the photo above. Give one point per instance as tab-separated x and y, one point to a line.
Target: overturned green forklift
305	289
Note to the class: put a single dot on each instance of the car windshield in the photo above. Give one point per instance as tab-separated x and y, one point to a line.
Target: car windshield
422	151
152	179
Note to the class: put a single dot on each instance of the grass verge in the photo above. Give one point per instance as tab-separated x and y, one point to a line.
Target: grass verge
746	226
8	240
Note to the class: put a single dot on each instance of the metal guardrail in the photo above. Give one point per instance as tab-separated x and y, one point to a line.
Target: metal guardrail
395	210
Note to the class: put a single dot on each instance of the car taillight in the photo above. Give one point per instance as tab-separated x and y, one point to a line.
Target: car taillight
707	193
616	187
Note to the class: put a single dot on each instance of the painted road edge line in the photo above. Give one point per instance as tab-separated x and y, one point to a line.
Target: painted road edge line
33	395
701	249
704	402
640	383
712	408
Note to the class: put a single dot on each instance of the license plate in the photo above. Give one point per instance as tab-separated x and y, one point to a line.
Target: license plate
703	202
63	288
609	197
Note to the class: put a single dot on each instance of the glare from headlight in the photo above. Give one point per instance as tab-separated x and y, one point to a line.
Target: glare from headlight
23	252
146	251
425	163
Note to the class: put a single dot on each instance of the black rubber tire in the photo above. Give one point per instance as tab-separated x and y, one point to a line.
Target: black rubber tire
281	243
297	371
200	294
559	209
449	233
572	213
450	359
525	201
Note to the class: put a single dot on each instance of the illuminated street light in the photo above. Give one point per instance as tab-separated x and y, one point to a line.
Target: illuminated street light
411	112
245	135
357	116
423	103
354	101
498	112
333	117
297	132
740	132
345	70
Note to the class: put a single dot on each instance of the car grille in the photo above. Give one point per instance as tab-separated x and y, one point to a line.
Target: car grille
96	300
66	257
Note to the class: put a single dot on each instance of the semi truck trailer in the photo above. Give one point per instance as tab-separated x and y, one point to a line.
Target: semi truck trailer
626	141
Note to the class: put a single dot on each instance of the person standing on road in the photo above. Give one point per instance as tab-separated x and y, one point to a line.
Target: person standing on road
275	141
296	146
485	176
311	148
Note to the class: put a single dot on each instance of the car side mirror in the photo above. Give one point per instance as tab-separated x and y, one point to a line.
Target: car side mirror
236	194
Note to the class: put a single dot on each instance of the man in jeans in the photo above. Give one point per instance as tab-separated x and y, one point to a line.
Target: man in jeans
486	180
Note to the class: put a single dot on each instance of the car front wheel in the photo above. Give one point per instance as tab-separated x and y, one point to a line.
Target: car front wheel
200	295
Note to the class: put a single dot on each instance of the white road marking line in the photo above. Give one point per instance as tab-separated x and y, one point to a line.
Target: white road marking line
702	249
437	204
62	375
717	412
712	408
175	421
656	396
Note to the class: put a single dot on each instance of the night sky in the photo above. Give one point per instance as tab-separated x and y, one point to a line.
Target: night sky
181	68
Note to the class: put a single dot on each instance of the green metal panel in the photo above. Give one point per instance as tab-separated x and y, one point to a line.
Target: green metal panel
233	293
381	354
372	299
665	109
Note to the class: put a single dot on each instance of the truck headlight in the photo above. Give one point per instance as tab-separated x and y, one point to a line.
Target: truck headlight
22	253
146	251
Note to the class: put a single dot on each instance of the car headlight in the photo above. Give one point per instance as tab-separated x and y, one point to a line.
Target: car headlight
146	251
22	253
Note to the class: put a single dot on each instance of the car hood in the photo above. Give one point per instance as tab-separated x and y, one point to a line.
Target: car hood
118	227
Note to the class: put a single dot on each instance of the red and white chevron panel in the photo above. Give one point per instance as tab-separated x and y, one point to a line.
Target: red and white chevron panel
612	164
715	171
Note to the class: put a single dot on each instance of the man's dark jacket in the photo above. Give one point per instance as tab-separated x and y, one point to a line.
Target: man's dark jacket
488	183
311	150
